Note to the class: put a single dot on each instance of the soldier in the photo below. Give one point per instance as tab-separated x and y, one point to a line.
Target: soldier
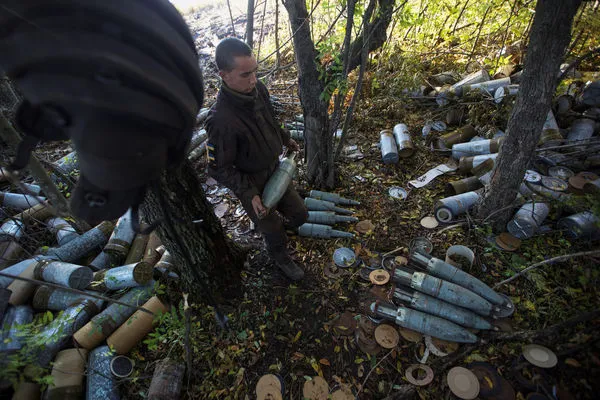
244	144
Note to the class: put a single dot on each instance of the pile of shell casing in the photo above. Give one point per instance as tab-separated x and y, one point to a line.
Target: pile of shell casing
86	331
566	165
322	208
438	299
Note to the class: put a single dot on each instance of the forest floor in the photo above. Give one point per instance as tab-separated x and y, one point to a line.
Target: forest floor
298	331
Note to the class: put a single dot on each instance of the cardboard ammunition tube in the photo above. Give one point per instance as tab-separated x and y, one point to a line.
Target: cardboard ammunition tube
460	135
136	252
10	253
167	380
135	328
40	212
462	186
28	391
151	256
105	323
22	290
68	375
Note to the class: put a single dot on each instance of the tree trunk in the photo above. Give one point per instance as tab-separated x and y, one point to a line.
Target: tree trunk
319	144
250	23
190	230
377	31
550	35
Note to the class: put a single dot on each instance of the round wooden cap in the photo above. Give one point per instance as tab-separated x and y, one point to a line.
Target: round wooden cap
379	277
316	389
429	222
540	356
508	242
387	336
463	383
268	388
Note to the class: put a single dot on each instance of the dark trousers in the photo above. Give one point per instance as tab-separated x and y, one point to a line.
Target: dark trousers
292	209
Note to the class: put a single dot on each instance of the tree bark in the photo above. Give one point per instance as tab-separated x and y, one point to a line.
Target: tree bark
319	144
550	35
376	34
189	229
250	23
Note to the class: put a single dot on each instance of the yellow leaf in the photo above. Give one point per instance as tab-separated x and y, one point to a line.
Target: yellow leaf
572	362
337	349
316	367
297	336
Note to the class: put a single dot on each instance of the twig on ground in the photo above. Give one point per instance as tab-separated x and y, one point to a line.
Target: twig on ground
551	260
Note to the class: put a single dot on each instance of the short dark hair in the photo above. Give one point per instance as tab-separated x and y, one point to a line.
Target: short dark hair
227	50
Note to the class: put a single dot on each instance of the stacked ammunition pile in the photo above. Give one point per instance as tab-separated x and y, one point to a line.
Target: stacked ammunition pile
86	332
323	213
567	155
438	299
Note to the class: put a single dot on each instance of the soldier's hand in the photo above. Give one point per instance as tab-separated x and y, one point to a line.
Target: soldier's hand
259	208
293	146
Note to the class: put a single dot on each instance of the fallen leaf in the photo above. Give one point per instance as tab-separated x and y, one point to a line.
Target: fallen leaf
324	361
364	226
572	362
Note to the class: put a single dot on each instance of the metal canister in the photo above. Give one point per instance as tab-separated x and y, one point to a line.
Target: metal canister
468	184
278	183
449	208
14	317
528	219
11	230
584	225
62	229
460	135
19	201
466	164
83	244
403	140
101	384
48	298
389	150
487	86
126	276
550	133
66	274
58	333
487	146
581	131
476	77
121	238
504	92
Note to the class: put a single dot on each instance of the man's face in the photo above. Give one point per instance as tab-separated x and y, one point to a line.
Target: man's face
242	78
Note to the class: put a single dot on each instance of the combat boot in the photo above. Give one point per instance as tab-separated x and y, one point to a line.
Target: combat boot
290	269
276	247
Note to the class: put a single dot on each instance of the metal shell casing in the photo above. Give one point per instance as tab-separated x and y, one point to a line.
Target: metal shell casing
278	183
